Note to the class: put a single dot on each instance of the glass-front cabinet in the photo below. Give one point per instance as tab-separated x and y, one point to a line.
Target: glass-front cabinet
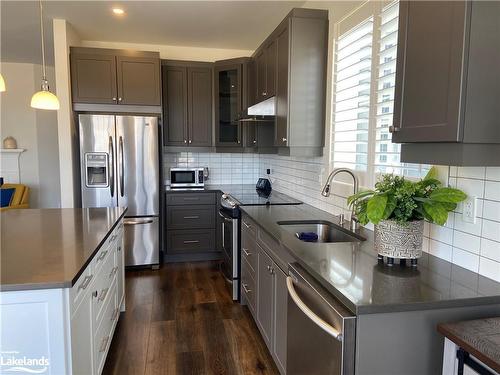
228	102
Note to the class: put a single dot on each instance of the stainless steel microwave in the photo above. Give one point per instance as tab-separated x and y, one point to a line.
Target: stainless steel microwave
187	178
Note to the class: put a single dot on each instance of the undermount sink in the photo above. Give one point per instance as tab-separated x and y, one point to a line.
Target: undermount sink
326	231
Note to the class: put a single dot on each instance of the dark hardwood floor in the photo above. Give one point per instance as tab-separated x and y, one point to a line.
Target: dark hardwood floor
181	320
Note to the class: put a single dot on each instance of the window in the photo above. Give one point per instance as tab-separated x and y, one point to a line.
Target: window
363	95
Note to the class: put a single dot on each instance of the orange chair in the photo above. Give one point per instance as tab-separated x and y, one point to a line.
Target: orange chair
20	199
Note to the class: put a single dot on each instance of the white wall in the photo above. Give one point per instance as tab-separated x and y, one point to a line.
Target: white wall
34	130
174	52
64	37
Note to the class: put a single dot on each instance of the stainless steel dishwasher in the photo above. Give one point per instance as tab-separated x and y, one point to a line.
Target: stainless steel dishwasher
321	332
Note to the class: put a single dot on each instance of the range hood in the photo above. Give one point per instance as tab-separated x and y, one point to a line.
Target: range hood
263	111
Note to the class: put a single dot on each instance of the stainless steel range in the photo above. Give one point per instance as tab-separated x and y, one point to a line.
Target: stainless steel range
242	195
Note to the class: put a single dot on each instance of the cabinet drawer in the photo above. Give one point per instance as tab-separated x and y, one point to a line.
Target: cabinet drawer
103	334
248	286
190	241
191	217
102	286
248	224
106	248
249	249
181	199
81	287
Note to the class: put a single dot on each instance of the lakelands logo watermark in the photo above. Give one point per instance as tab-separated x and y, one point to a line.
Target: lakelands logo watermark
13	362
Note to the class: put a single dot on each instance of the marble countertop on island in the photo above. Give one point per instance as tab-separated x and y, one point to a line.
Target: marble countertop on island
49	248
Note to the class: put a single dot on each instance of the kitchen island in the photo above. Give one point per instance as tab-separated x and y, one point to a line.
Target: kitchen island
396	309
62	288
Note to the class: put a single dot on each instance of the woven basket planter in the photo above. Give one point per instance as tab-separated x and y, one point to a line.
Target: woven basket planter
401	241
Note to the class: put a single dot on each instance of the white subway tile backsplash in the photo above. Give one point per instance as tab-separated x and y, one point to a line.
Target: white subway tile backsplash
441	250
471	172
475	246
466	241
490	249
489	268
491	230
465	259
492	191
493	173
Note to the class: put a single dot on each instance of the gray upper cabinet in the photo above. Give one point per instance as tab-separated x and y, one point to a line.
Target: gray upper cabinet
265	59
106	76
138	80
93	78
187	104
448	83
285	69
229	97
174	105
199	106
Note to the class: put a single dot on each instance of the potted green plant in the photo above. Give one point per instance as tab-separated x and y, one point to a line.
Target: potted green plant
398	207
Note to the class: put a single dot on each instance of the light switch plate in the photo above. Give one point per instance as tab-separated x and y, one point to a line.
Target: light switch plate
469	214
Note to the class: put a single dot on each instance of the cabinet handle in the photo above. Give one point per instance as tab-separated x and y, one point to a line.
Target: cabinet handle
115	314
264	93
104	344
113	271
119	248
103	294
190	141
191	241
247	225
191	199
245	288
283	139
114	98
238	141
254	142
94	293
85	282
103	254
393	129
191	217
247	253
119	99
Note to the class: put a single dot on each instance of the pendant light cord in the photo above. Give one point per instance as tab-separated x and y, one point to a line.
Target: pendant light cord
44	76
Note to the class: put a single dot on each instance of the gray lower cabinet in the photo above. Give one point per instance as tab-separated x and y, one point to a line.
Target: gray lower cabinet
191	226
264	291
448	82
265	283
187	103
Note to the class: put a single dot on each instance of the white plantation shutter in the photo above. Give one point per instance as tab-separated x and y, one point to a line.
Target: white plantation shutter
352	97
364	98
387	154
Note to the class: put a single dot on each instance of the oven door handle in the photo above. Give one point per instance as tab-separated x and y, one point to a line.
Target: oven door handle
309	313
224	217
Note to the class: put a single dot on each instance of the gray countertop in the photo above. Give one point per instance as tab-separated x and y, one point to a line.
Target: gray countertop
352	273
49	248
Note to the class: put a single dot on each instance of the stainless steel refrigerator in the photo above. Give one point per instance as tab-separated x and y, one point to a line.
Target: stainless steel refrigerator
119	162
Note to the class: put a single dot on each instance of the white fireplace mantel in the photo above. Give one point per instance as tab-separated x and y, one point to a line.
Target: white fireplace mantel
9	165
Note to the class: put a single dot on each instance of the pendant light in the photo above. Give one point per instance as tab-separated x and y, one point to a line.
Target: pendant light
44	99
2	83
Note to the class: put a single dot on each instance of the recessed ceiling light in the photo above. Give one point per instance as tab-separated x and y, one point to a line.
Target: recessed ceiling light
118	11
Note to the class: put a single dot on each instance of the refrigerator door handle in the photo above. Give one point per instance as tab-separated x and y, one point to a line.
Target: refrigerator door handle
137	221
122	168
111	166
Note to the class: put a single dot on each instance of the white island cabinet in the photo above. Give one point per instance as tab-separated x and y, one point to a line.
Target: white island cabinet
66	330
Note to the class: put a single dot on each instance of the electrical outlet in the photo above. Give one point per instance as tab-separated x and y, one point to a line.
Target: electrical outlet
469	214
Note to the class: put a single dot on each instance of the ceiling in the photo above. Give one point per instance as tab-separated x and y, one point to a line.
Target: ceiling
210	24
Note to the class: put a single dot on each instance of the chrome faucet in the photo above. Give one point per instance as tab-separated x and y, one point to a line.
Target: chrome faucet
326	193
